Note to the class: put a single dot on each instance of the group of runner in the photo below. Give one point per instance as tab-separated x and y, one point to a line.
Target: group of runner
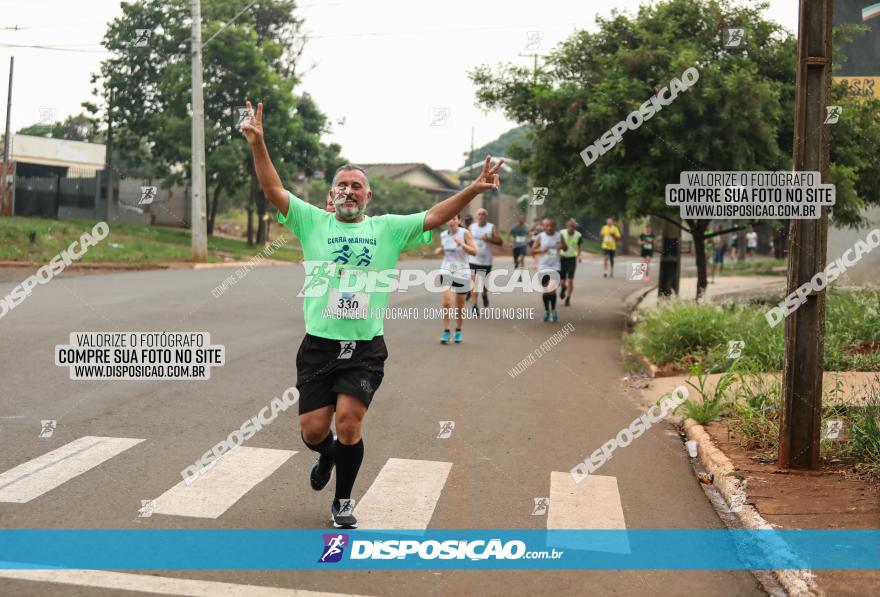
467	257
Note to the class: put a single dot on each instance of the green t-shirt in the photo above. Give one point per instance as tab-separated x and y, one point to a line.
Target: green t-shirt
333	249
571	244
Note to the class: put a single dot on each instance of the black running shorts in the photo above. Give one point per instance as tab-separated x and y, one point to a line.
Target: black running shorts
567	267
326	368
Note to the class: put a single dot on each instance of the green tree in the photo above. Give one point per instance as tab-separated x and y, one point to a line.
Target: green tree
738	116
147	89
80	127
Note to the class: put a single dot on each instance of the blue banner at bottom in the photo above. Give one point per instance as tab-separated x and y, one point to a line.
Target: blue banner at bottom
472	549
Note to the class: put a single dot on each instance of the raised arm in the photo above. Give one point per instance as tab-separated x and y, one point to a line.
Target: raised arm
468	245
270	182
496	239
442	212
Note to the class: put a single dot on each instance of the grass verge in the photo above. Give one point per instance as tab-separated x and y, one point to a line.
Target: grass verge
684	334
37	240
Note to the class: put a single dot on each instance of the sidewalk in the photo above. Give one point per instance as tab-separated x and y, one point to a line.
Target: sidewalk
755	490
724	287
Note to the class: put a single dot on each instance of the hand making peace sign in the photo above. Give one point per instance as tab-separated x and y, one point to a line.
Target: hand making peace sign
488	178
252	125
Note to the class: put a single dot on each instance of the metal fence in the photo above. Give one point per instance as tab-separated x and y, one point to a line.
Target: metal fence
76	191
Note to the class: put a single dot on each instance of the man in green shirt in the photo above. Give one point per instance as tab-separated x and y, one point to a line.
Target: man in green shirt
340	363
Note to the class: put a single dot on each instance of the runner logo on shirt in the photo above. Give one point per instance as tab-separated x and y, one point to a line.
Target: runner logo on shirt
343	254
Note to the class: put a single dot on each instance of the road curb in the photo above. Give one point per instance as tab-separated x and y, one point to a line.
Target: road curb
795	582
87	266
633	299
149	266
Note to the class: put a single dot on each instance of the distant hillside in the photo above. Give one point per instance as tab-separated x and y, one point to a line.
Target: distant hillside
501	145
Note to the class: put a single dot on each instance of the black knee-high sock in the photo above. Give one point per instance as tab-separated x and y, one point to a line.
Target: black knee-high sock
553	302
348	462
324	447
546	299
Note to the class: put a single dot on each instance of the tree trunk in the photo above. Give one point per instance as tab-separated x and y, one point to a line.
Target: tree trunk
670	261
252	200
698	231
259	201
261	217
212	211
780	239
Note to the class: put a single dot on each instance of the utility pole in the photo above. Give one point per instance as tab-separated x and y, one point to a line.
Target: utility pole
7	144
198	222
805	328
532	210
108	156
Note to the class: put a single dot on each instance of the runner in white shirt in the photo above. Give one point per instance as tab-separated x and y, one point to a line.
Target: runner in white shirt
485	235
547	246
751	244
456	244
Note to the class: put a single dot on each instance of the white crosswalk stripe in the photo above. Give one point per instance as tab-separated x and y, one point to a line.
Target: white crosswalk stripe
403	495
592	504
216	490
160	585
32	479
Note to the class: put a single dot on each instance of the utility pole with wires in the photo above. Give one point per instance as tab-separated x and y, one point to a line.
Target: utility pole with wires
7	145
805	328
198	220
534	40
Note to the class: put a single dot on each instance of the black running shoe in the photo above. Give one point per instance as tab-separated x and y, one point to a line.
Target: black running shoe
343	517
321	472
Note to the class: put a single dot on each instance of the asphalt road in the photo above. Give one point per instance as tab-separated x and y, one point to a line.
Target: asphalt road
509	436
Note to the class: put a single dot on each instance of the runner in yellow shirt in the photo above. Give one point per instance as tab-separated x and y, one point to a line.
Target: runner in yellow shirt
610	235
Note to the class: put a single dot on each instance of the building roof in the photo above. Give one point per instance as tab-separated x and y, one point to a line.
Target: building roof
398	170
57	152
505	167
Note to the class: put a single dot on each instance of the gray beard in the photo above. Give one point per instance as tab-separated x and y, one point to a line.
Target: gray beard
348	213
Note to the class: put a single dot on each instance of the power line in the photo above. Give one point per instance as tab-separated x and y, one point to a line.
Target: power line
454	30
228	23
69	47
56	49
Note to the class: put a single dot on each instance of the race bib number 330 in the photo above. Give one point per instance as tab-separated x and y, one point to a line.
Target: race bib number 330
348	305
